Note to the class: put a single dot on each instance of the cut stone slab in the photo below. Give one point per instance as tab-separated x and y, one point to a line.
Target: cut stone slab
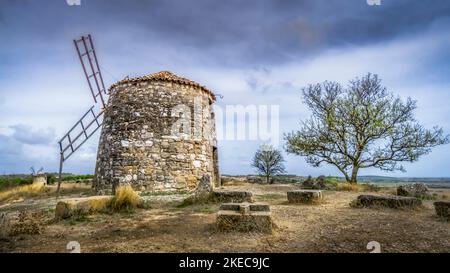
233	196
442	209
413	190
244	217
252	206
394	202
80	206
304	196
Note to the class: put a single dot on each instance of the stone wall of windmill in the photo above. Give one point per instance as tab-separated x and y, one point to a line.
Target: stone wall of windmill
150	136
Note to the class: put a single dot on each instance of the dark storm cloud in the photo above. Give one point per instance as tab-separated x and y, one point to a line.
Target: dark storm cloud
232	32
258	31
27	135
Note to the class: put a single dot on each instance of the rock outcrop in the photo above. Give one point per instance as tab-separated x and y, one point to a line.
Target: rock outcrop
394	202
233	196
245	217
304	196
418	190
442	209
80	206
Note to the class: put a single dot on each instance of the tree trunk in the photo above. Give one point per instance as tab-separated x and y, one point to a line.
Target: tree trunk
354	178
267	179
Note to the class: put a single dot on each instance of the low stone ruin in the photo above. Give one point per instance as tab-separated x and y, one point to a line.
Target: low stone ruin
80	206
395	202
304	196
244	217
40	180
315	184
233	196
419	190
442	209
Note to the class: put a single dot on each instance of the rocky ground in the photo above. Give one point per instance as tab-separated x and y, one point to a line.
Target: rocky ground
332	226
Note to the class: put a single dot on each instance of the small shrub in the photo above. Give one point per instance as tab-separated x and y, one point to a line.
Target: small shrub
14	181
345	186
356	204
99	204
125	199
51	179
29	223
348	187
427	197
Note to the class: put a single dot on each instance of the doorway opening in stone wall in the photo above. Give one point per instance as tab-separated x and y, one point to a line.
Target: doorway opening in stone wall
216	167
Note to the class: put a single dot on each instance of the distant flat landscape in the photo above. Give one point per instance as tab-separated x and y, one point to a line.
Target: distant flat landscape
432	182
386	181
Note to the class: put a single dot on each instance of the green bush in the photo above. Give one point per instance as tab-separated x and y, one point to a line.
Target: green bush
14	181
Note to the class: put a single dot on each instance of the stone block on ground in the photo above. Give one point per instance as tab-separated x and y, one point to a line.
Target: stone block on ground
80	206
233	196
394	202
204	188
304	196
442	209
244	217
413	190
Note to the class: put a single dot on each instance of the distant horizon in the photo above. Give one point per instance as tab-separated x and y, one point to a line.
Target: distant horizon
254	174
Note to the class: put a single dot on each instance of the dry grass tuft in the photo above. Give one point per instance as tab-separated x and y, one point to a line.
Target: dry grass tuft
356	187
100	205
348	187
26	191
125	199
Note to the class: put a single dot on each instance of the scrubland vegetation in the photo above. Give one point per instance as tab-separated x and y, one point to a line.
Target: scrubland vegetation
164	225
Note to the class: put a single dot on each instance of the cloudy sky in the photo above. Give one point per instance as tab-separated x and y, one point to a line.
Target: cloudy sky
253	52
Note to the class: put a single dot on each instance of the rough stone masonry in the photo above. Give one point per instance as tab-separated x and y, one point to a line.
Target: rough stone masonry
158	134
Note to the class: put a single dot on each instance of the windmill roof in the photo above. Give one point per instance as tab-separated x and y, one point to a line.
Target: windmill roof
164	76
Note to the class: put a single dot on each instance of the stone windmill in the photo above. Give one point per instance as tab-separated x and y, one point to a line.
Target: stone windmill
158	131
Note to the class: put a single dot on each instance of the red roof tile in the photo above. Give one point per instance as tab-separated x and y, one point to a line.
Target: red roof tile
164	76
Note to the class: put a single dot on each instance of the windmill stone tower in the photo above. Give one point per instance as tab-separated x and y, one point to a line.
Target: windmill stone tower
158	131
158	134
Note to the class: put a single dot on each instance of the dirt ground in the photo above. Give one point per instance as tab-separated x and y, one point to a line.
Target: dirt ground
166	227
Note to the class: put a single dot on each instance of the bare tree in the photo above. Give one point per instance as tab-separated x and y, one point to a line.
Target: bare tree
362	126
268	161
